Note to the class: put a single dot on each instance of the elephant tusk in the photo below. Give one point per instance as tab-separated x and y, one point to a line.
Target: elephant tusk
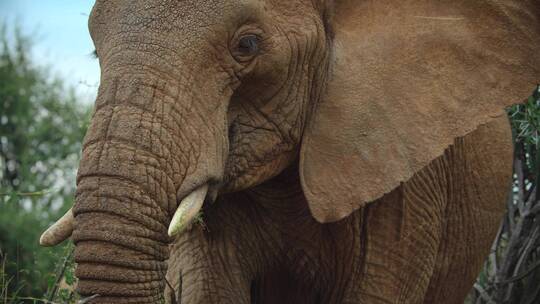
187	210
59	231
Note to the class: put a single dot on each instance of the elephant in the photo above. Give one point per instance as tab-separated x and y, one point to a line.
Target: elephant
297	151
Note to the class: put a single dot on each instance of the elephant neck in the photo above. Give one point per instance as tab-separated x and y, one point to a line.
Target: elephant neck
283	192
285	183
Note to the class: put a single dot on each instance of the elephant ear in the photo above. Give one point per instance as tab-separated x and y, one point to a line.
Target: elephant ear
408	77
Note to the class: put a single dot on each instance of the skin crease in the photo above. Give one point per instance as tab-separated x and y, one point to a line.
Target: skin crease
182	104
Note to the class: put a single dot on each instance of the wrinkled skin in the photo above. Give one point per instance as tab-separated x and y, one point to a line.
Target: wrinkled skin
380	254
278	124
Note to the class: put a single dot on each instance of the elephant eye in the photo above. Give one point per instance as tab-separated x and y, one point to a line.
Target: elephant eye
247	46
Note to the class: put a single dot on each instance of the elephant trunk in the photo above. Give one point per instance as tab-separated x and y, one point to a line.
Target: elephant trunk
138	164
121	242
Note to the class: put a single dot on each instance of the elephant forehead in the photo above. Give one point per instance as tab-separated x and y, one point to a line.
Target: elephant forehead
189	17
188	29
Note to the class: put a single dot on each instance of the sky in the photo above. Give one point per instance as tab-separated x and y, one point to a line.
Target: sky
61	39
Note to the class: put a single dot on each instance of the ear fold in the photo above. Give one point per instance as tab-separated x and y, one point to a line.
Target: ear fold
409	77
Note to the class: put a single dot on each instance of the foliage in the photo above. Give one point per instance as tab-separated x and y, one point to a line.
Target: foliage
512	270
41	128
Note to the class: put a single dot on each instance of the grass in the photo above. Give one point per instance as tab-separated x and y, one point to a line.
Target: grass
61	290
199	219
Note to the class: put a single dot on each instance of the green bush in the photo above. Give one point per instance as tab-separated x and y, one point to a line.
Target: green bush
41	129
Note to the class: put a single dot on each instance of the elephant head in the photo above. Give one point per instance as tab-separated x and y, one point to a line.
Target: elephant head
199	98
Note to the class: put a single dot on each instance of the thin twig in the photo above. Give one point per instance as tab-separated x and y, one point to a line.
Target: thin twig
483	293
60	275
88	299
522	275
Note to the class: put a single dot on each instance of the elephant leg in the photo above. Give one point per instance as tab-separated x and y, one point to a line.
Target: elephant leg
473	213
217	262
200	273
425	241
400	238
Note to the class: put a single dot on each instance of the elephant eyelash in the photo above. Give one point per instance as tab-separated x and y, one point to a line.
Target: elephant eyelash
94	54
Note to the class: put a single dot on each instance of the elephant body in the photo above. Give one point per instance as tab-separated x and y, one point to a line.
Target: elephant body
340	151
424	242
